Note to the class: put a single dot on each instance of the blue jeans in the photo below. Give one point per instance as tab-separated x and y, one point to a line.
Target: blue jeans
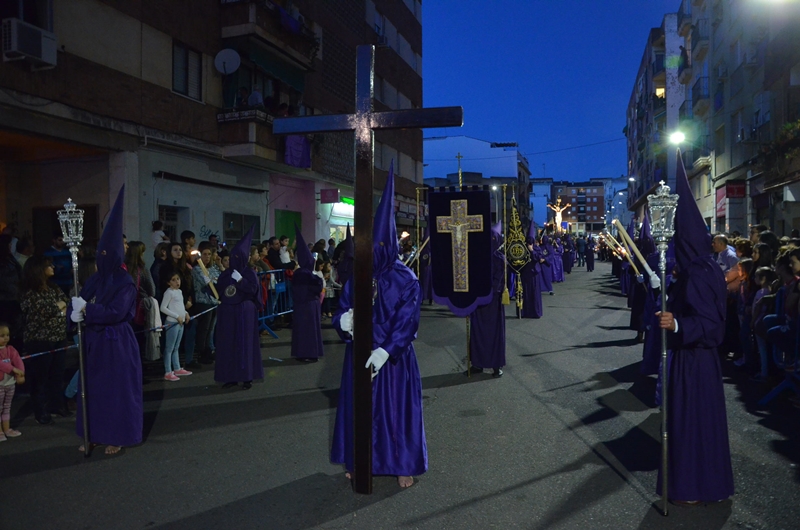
173	340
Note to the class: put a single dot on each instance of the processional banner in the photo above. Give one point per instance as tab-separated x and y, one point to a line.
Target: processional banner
460	247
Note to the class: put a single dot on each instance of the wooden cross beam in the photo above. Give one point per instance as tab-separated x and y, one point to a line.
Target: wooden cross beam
363	123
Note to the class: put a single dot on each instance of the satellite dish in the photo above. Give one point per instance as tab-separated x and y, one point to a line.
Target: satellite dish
227	61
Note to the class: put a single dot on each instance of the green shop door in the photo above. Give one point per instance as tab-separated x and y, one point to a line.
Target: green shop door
284	224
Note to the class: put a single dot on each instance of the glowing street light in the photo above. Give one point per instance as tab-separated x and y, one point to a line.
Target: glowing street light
677	137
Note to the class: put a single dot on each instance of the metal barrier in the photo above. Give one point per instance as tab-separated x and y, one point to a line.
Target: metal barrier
276	295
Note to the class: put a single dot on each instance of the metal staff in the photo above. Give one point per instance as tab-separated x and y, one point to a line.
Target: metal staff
71	220
662	207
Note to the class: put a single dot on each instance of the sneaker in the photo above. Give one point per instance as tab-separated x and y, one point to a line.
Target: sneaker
171	377
182	372
12	433
2	437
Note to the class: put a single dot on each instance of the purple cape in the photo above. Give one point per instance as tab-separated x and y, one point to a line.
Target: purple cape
590	247
558	263
546	276
487	340
113	371
699	452
307	333
398	433
531	286
238	355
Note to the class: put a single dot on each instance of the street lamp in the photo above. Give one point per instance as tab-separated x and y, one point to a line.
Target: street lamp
677	138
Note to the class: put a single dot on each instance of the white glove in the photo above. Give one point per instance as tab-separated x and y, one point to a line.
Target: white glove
655	281
77	316
377	360
236	276
346	321
207	280
78	303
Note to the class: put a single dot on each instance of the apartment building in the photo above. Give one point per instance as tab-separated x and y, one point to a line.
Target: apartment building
587	205
95	94
652	114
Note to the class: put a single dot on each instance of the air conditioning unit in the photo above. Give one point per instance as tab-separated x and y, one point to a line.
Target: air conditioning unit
26	41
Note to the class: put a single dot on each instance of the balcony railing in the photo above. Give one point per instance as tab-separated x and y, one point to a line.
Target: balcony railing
277	26
700	38
700	96
255	115
659	105
684	65
685	111
659	69
684	18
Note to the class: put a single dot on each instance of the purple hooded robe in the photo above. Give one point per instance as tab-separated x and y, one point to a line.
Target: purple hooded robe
549	255
558	261
398	433
487	340
238	345
113	366
531	285
699	452
306	288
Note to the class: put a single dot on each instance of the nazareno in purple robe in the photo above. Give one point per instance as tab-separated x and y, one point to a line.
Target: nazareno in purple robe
487	339
398	433
238	354
113	367
568	257
307	328
531	286
590	248
558	263
699	451
546	274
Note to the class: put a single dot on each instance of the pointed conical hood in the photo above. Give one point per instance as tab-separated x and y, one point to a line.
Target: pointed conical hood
240	253
304	257
349	247
532	230
110	250
692	239
385	246
632	229
646	242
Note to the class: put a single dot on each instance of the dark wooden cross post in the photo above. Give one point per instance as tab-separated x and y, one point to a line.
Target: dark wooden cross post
363	123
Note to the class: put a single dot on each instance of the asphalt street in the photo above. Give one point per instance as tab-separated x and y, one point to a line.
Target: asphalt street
567	438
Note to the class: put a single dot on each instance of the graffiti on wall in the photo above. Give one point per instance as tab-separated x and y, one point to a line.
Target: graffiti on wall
206	232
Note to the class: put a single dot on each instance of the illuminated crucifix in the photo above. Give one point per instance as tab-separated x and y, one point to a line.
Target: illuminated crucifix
558	209
458	224
362	124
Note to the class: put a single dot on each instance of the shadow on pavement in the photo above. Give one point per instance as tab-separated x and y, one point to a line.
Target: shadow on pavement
707	516
305	503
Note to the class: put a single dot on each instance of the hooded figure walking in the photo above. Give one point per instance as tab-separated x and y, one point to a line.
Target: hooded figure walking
238	356
529	277
699	452
307	286
113	368
398	432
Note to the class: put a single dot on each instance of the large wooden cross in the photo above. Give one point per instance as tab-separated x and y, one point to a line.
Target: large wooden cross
363	123
459	225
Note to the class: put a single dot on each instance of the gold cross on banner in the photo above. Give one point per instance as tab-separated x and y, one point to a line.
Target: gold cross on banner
458	224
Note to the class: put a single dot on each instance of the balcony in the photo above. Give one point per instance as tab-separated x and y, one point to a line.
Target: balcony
246	115
737	80
291	38
659	70
700	96
700	40
684	19
659	105
701	153
719	96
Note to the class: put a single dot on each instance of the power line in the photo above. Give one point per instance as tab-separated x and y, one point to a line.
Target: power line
532	153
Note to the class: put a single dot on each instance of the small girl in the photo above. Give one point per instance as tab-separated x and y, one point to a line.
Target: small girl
158	233
330	290
172	306
11	368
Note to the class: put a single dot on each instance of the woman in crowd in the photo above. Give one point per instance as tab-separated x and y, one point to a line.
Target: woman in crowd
160	255
10	276
177	263
44	306
145	288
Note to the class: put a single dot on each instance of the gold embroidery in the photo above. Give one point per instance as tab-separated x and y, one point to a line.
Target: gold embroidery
458	224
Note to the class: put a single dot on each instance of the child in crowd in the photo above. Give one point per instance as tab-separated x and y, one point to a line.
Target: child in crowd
330	290
158	234
172	306
12	371
318	266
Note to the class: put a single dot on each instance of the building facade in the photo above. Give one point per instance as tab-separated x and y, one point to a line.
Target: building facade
586	212
138	93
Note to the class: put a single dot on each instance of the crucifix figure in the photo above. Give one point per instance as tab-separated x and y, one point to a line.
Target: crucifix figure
363	123
459	225
558	209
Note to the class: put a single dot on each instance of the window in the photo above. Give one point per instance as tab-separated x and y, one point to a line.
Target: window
719	140
737	126
234	226
187	71
380	24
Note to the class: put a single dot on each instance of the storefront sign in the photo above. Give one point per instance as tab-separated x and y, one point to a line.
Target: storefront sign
721	201
329	196
735	190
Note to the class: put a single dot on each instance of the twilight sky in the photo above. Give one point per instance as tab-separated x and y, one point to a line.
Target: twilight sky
548	74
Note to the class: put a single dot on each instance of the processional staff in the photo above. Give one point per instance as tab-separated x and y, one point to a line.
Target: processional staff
662	206
654	282
622	250
71	220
